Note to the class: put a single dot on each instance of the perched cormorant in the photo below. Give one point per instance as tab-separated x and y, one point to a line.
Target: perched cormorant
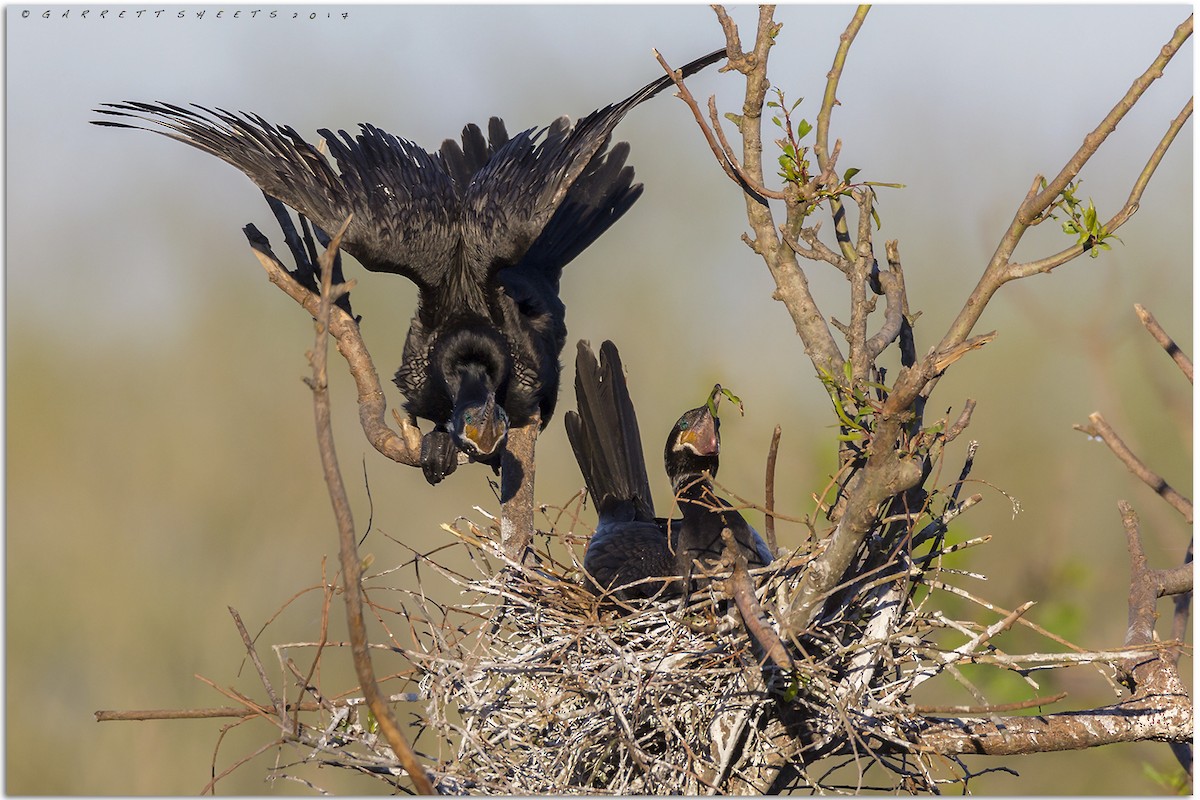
631	545
483	229
692	456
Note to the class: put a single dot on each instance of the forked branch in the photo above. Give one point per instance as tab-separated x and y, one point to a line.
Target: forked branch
403	447
1000	269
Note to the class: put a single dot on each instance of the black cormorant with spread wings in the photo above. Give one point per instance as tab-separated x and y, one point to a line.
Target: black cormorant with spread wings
634	554
483	229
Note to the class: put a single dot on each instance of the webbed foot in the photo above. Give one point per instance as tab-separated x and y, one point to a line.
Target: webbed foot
439	455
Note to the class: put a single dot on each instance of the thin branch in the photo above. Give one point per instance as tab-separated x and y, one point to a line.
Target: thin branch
769	495
348	546
258	709
741	588
999	270
891	283
1100	428
1036	702
828	101
721	149
859	277
285	722
1167	343
1117	220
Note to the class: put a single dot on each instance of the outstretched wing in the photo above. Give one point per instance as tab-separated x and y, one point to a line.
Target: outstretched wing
520	188
403	200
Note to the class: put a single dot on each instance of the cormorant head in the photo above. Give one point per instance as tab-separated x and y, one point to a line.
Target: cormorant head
694	444
480	428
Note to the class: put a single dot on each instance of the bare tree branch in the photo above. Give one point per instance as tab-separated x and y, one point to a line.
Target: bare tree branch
828	101
769	495
1097	426
405	447
258	709
718	143
742	591
999	270
516	490
790	282
285	722
1168	344
348	545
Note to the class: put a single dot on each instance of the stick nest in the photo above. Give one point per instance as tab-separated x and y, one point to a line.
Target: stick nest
530	685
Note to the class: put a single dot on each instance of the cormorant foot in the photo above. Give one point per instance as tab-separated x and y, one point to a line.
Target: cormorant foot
439	456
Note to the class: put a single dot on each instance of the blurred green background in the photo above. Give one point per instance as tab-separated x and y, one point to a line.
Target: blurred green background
161	462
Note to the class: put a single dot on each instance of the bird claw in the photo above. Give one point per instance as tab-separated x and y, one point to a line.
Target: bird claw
439	456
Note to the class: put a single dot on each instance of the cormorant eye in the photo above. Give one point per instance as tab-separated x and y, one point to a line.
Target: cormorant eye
683	424
468	418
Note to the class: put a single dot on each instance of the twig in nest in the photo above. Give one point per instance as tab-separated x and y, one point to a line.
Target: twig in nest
285	723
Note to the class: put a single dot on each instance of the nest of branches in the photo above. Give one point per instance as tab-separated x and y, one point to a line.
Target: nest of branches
532	685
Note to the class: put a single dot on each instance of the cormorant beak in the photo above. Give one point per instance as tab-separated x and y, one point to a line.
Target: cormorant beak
700	432
482	428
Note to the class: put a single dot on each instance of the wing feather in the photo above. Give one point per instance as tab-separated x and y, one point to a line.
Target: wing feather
404	203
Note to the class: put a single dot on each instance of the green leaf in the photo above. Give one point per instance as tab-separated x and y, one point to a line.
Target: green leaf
803	128
777	121
733	398
850	173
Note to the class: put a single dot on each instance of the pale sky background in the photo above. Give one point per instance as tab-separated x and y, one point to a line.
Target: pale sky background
148	357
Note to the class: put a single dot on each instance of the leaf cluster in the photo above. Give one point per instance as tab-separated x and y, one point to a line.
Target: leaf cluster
1082	222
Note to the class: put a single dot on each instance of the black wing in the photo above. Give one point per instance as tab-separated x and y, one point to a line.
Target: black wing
412	209
403	200
527	180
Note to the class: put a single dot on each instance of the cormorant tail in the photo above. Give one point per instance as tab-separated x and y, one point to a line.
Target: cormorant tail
604	434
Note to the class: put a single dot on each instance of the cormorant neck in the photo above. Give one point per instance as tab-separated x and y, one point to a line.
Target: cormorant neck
691	484
474	384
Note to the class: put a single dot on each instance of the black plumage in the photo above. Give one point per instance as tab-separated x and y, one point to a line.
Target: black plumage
631	545
483	229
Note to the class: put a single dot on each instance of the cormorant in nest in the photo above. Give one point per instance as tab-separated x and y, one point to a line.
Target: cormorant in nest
631	547
484	231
